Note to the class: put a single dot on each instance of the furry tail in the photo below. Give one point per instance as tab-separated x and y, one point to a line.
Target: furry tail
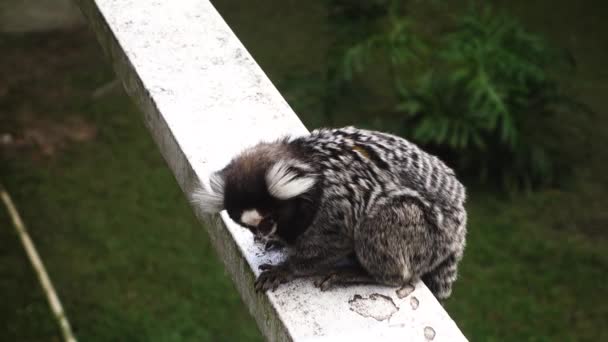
440	279
210	200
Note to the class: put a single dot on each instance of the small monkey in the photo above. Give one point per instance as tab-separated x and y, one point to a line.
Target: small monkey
351	205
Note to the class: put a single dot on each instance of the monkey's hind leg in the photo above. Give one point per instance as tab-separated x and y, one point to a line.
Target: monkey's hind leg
393	243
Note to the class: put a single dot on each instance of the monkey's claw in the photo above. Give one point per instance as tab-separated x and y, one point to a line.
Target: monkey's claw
327	282
274	245
342	277
271	277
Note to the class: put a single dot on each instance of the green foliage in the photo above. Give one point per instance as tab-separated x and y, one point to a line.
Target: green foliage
398	44
483	95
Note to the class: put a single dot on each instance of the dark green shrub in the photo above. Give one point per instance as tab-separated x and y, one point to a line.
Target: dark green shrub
484	95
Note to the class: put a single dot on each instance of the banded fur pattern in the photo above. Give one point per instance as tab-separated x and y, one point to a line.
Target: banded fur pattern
374	198
368	174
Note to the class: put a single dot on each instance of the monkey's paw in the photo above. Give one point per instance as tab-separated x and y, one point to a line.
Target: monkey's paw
270	244
272	276
274	245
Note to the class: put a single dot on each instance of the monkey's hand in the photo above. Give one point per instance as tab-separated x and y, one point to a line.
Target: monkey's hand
270	244
274	245
273	276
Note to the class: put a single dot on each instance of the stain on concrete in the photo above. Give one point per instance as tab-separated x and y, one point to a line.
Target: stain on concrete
414	303
376	306
429	333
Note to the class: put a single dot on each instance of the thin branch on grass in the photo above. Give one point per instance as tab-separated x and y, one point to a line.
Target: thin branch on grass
43	277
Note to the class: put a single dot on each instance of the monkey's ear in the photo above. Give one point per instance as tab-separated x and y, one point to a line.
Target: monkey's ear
289	178
210	200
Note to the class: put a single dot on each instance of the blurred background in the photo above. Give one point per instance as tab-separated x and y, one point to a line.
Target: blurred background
512	94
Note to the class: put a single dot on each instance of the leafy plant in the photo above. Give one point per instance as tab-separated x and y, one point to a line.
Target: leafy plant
484	94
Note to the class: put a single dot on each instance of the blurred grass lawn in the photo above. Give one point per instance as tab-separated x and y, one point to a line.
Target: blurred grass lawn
131	263
120	243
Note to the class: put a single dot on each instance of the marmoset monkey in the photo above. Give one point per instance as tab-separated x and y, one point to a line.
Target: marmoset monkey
396	212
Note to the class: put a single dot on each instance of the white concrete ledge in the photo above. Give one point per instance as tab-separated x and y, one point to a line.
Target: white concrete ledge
204	99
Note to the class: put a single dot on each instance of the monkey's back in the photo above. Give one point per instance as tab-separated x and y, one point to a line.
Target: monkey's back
360	167
398	208
351	156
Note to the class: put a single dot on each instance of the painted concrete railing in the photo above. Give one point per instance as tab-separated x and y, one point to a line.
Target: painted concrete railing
204	99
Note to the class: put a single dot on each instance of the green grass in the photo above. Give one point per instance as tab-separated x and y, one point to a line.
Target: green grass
124	250
130	262
125	253
523	280
24	315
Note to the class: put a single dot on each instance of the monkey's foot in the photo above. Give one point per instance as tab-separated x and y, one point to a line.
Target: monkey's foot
405	290
272	276
349	276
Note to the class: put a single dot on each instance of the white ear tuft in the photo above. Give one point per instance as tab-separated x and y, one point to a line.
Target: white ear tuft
284	183
210	201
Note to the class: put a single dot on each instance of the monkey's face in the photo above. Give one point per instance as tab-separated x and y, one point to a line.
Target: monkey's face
250	205
261	189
